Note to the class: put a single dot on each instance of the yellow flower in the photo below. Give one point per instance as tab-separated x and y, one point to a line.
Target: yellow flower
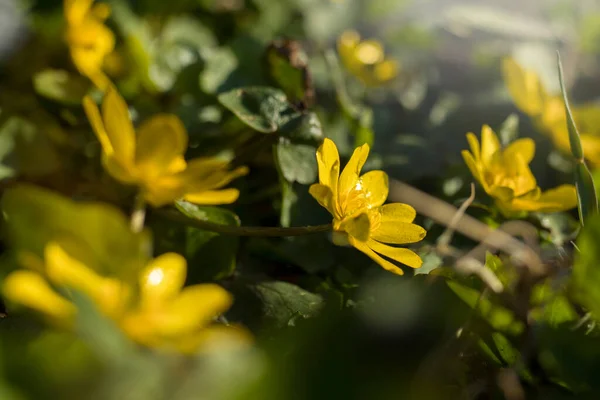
164	314
505	175
168	315
356	204
548	111
153	158
89	40
366	59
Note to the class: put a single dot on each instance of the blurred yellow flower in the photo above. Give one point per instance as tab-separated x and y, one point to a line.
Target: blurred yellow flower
153	158
366	59
169	315
89	40
164	315
505	175
359	216
548	111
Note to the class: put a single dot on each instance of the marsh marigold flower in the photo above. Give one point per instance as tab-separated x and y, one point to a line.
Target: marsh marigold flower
505	175
163	315
89	40
356	203
152	157
366	60
548	111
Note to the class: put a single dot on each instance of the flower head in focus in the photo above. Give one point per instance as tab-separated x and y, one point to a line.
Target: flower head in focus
89	40
356	203
152	158
548	111
366	60
505	175
164	315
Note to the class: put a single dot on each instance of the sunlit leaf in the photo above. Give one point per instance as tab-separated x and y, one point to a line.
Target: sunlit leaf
264	109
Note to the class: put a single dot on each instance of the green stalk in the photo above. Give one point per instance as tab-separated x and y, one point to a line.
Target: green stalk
587	200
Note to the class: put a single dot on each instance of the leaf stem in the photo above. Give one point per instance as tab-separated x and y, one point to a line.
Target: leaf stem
244	230
138	214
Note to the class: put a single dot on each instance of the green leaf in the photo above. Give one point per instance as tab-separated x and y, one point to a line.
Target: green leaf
100	234
297	162
211	256
26	150
587	199
305	127
586	270
499	349
506	273
60	86
264	109
282	302
574	136
499	317
550	304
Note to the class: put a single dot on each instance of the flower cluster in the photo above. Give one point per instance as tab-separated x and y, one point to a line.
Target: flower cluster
548	112
356	203
505	175
366	60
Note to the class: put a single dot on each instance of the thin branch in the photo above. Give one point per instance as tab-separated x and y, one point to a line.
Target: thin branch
243	230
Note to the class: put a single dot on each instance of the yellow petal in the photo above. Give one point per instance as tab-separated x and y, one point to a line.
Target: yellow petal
561	198
93	115
394	232
98	78
489	144
524	86
504	194
161	142
118	126
524	180
591	148
31	290
363	247
376	187
76	10
204	167
213	197
164	190
328	161
62	269
472	165
399	254
215	179
398	212
322	194
350	174
215	338
348	42
357	227
196	306
474	145
101	11
369	52
386	70
524	147
123	173
162	279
